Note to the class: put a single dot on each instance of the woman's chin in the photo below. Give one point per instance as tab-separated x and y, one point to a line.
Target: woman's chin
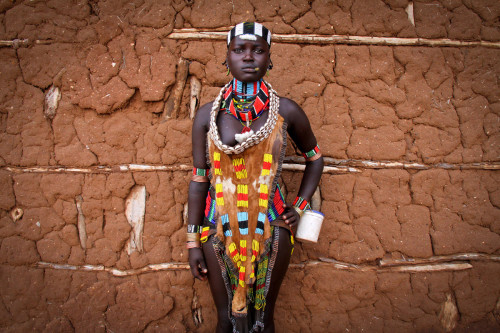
248	76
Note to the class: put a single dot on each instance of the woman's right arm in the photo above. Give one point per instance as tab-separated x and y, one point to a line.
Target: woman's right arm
198	189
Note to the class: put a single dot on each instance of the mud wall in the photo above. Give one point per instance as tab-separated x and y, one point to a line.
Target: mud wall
96	103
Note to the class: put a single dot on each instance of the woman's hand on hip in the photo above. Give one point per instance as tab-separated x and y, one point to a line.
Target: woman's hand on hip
290	216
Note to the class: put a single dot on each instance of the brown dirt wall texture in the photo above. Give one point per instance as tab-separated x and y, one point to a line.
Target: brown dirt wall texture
115	68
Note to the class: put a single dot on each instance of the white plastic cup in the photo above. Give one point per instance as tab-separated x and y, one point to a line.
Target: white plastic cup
309	226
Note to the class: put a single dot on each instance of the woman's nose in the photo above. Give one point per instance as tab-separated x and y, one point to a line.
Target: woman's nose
248	55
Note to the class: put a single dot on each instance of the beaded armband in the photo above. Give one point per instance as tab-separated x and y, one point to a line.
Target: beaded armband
200	175
193	236
312	154
300	205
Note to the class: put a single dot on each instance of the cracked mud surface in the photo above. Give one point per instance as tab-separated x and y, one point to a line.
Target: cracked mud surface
116	71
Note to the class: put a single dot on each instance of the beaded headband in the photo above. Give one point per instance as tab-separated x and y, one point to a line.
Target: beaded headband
248	31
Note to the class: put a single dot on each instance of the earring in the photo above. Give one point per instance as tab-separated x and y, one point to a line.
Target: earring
269	67
225	64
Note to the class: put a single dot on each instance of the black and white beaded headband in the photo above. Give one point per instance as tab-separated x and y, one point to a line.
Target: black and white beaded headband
248	31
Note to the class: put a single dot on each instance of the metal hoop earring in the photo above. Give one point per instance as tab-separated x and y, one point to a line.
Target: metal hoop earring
228	71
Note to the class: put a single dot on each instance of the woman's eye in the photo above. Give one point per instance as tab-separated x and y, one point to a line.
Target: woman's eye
237	50
259	51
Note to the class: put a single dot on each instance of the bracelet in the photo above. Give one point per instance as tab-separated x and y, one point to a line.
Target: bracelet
199	171
200	175
193	245
193	237
301	203
299	211
313	154
193	228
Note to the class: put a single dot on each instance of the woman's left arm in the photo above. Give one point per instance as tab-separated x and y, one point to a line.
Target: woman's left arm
302	135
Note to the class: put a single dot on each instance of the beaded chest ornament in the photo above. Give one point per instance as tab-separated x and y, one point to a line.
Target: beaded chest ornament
245	102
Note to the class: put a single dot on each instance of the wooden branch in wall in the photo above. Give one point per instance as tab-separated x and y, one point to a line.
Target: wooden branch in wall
435	267
171	266
100	169
342	265
82	230
152	168
188	34
326	169
17	43
457	266
367	164
173	103
194	102
438	259
221	34
323	262
409	165
332	166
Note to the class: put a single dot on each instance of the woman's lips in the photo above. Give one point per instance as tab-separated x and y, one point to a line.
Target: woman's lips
250	69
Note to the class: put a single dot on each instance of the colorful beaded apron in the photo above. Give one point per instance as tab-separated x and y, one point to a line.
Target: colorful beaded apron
246	199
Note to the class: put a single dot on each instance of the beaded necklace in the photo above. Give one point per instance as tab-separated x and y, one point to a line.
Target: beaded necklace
246	101
244	95
246	89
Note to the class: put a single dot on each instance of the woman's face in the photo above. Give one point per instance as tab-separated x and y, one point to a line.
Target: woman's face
248	60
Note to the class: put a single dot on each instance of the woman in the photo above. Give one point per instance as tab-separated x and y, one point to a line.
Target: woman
234	200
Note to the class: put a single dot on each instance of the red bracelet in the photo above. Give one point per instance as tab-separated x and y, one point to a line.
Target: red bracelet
301	203
312	154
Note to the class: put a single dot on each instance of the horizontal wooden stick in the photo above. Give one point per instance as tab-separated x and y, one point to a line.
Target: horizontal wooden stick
326	262
326	169
220	29
17	43
345	265
332	166
100	169
367	164
150	168
436	267
457	266
437	259
221	34
188	34
14	43
171	266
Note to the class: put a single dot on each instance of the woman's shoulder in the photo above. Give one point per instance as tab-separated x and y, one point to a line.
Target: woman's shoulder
288	104
205	109
202	117
289	110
